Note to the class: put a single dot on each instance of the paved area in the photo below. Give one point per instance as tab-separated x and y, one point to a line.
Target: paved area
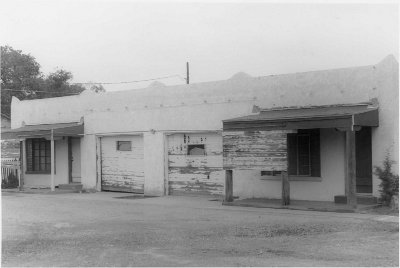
97	229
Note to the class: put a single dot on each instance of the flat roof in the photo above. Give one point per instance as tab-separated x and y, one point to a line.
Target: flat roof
328	116
44	130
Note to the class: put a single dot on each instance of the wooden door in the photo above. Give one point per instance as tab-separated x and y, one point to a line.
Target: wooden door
195	164
364	160
76	159
122	164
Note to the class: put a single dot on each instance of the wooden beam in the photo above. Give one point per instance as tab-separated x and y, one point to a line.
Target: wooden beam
98	163
285	189
228	186
52	182
69	160
21	164
350	177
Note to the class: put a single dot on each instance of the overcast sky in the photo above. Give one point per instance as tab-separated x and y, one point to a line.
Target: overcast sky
106	41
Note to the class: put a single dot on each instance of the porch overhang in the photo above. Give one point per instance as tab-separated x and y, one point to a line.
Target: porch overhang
44	131
341	116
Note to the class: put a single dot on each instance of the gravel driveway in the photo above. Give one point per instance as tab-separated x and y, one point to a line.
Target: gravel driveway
98	229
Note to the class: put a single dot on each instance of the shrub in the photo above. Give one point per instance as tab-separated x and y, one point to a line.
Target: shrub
11	181
389	185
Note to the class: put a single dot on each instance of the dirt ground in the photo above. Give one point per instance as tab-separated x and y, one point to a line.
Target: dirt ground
98	229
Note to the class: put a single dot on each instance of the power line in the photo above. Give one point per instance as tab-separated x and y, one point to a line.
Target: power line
123	82
128	82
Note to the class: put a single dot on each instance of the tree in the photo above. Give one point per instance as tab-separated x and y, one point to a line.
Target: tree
57	85
98	88
21	77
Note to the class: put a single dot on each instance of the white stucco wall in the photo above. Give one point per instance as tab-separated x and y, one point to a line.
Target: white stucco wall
61	175
202	107
154	158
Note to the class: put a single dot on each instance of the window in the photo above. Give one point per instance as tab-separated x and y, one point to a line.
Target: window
196	149
304	153
38	155
124	146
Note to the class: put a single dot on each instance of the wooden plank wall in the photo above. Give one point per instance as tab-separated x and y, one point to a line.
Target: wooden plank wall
190	174
122	170
255	150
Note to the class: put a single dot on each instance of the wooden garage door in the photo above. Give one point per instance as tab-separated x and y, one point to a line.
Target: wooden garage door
195	164
122	164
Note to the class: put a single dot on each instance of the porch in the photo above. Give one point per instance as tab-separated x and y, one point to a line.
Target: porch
50	155
317	153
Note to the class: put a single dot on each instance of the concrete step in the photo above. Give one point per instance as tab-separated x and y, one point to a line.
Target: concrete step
71	186
361	199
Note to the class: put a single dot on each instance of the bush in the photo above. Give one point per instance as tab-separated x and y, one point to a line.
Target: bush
389	185
11	181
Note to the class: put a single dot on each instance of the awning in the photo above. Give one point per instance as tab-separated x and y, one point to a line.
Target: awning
342	116
44	131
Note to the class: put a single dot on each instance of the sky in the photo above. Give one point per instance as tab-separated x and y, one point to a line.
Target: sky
117	41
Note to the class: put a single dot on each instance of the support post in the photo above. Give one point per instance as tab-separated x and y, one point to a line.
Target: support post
52	183
21	164
98	163
69	160
350	177
228	186
285	189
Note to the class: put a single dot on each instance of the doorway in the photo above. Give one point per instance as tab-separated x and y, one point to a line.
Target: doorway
364	161
75	160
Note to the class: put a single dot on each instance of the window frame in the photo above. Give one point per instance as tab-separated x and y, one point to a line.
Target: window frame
30	152
314	153
118	146
197	144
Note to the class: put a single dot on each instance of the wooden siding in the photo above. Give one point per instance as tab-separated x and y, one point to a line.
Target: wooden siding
122	170
255	150
195	174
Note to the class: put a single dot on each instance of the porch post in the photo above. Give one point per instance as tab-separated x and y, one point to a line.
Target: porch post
69	160
228	186
52	160
22	161
285	188
350	177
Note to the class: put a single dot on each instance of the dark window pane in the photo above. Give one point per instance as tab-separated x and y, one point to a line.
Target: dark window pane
124	145
292	153
304	153
37	154
36	166
315	153
196	149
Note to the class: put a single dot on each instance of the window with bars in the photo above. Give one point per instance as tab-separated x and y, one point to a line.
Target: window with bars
304	153
38	155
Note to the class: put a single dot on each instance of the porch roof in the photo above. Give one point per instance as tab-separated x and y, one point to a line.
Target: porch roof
44	130
342	116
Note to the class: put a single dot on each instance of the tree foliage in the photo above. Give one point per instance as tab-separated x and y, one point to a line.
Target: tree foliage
97	88
389	185
21	77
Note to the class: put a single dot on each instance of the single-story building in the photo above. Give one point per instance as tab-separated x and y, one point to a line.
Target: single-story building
325	129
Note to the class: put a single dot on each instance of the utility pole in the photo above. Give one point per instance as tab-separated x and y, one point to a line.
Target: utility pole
187	72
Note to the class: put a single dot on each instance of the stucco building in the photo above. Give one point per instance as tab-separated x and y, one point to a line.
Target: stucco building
180	139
